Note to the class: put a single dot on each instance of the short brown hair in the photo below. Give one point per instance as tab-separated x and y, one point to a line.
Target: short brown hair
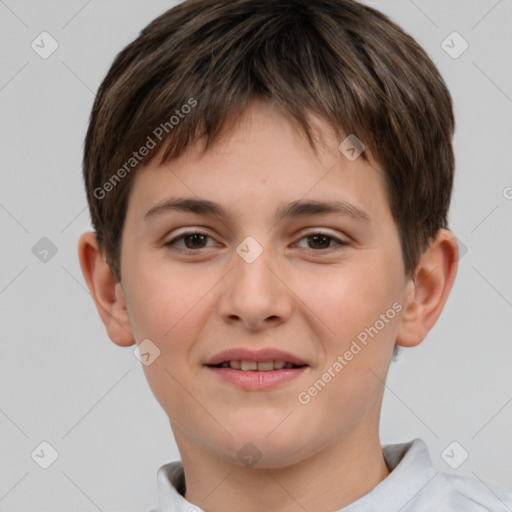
342	60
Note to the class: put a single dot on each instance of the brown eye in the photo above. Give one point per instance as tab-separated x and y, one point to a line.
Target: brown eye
322	241
196	241
319	241
193	242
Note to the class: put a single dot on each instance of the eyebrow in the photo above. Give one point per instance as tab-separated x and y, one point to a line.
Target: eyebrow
297	208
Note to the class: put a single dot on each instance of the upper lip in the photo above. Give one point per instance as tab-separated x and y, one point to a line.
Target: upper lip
244	354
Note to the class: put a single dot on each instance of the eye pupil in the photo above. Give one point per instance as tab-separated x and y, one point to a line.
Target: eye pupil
316	237
194	236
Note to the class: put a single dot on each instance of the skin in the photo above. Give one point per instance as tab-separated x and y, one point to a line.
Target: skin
305	297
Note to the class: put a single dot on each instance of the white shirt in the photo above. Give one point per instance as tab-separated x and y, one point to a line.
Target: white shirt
413	485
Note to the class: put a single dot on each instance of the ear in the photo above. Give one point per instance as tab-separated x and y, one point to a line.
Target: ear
427	294
107	294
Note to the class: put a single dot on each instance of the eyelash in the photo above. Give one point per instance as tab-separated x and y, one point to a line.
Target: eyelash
172	246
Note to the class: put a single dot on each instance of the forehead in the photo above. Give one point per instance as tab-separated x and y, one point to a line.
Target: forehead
261	161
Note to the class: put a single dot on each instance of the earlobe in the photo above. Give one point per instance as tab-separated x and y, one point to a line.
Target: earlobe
108	295
425	298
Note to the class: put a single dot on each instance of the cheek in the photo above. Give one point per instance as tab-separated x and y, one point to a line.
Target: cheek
163	299
167	311
169	306
353	298
356	348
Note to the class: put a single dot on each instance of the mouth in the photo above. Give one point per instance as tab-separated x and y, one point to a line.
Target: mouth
260	370
257	366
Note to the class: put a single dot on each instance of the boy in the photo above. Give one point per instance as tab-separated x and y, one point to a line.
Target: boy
269	183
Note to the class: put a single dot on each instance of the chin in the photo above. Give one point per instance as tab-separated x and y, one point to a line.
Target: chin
263	444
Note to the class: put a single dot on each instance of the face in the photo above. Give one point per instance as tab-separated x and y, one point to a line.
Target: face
315	288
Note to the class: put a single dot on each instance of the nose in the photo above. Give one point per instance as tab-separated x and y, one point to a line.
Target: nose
255	294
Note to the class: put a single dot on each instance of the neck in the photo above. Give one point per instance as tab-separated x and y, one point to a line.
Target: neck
329	480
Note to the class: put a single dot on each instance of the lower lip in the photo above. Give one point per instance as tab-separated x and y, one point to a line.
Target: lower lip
257	380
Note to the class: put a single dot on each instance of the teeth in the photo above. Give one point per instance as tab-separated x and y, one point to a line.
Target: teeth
263	366
248	365
266	366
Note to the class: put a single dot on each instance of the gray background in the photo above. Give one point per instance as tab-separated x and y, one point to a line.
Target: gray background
63	381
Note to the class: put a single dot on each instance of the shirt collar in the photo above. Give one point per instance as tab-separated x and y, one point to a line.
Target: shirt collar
410	470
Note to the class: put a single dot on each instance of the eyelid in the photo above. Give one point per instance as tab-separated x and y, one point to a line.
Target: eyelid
324	231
